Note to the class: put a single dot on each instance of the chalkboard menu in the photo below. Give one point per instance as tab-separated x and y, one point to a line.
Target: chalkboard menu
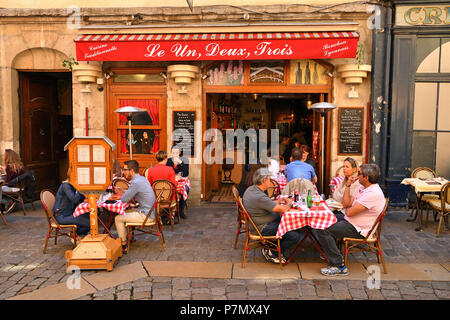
184	120
350	130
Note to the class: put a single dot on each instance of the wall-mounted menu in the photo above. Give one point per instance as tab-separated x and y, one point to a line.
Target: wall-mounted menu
350	130
184	120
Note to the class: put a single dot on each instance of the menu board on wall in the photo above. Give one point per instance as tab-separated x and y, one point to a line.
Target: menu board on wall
350	130
184	120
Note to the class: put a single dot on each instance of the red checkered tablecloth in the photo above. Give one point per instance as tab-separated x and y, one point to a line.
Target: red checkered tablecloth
296	219
335	181
181	183
118	207
282	181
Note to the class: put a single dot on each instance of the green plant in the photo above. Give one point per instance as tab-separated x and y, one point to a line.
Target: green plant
360	51
68	63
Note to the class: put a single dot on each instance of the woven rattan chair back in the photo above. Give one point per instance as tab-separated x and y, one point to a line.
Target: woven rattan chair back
423	173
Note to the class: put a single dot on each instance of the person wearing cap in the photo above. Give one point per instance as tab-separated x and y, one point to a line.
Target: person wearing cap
266	214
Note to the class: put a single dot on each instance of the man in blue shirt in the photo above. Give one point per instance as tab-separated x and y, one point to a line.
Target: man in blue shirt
142	191
298	169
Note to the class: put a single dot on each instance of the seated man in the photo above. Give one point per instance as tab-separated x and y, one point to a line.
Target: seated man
298	169
266	213
161	171
140	189
362	210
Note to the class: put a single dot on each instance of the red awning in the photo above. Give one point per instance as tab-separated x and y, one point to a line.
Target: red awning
216	46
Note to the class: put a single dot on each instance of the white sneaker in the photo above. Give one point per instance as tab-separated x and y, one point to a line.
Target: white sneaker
334	271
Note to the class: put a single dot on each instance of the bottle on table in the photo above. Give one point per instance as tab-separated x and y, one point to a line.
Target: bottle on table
309	199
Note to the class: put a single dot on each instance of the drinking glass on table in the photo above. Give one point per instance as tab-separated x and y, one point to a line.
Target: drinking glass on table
316	202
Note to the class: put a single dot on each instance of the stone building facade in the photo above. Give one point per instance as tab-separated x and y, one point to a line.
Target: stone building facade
39	40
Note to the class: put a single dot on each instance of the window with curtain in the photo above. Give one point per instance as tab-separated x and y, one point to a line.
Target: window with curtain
145	127
431	125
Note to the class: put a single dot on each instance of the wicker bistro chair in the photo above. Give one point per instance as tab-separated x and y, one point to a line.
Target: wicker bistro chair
254	239
274	190
168	203
240	216
2	205
441	205
54	228
120	183
154	225
295	185
16	194
371	243
423	173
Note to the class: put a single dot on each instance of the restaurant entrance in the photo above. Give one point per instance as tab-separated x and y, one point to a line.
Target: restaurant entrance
46	125
287	112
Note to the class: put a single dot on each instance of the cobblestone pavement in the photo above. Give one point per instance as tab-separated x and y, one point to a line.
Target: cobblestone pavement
208	235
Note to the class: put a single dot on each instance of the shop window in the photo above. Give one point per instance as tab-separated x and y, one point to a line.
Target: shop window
425	106
226	73
145	127
307	72
270	72
445	56
431	128
444	107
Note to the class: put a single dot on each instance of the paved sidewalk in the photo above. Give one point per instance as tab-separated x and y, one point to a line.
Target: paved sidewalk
207	236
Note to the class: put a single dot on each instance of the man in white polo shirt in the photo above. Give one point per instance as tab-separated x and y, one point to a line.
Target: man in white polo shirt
362	210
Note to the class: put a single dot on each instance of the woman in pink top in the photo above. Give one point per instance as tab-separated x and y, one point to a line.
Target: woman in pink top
362	210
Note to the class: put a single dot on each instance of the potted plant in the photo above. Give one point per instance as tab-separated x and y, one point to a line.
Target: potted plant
355	72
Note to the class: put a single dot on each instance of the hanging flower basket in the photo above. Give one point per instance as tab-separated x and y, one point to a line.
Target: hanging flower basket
354	73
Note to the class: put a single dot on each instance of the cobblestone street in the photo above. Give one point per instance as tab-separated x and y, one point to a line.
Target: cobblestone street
207	236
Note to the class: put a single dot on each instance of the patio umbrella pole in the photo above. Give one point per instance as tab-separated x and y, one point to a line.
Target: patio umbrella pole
129	138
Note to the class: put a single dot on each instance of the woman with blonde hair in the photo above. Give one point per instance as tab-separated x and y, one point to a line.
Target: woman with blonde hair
13	166
350	169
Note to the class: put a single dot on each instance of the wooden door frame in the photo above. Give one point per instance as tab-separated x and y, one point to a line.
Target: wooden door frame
286	87
136	90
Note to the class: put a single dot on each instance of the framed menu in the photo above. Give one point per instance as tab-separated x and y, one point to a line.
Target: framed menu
184	120
350	130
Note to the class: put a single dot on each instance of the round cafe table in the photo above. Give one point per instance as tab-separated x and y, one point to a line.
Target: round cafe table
320	217
118	207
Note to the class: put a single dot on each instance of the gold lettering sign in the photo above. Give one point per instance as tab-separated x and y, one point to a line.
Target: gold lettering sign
421	15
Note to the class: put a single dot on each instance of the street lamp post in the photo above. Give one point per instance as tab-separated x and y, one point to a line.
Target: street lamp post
128	112
323	108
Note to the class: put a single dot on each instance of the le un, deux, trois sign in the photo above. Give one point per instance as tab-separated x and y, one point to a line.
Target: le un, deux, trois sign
429	15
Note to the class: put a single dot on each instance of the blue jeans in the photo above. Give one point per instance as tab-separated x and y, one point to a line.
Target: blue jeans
183	202
327	239
82	222
289	238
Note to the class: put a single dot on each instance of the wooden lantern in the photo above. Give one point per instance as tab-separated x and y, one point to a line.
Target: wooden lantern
91	173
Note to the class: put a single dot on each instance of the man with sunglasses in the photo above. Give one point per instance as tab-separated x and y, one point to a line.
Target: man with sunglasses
142	191
362	209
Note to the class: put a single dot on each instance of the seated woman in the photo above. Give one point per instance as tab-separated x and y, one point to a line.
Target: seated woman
66	200
247	178
306	156
350	169
13	167
181	167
